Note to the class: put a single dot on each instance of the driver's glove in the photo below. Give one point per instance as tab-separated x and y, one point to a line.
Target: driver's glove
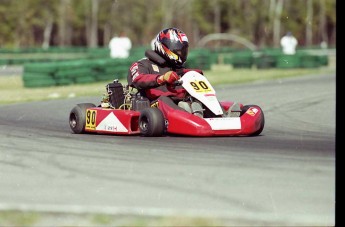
168	78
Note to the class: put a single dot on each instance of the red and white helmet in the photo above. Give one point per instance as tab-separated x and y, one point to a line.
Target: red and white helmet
172	44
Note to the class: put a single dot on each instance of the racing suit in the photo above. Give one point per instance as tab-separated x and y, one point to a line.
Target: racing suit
143	75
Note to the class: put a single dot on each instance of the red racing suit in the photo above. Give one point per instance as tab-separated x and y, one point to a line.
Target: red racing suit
143	74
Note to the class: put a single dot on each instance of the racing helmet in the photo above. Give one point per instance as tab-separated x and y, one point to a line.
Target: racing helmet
172	44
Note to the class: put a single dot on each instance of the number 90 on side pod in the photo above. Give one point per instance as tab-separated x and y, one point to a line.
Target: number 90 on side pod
90	119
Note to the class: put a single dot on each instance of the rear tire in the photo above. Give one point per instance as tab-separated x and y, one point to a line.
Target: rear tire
151	122
77	117
262	120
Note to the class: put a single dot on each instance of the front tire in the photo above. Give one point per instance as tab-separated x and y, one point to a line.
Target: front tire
151	122
77	117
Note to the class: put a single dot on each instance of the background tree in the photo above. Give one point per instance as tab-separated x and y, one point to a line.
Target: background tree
92	23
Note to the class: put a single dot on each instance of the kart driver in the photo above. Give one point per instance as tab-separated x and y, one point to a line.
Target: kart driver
154	75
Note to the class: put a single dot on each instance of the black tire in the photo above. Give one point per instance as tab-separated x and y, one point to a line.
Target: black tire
245	108
151	122
77	117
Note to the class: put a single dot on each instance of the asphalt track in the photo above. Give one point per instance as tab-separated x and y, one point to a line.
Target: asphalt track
284	177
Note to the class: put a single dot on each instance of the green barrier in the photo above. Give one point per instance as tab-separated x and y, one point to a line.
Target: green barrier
324	61
227	58
288	61
106	77
265	61
313	60
310	61
40	67
36	76
37	79
243	59
4	62
201	59
87	70
75	71
98	53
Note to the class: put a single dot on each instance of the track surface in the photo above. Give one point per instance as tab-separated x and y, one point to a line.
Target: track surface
285	176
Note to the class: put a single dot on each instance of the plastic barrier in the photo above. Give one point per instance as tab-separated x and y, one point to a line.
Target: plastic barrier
74	72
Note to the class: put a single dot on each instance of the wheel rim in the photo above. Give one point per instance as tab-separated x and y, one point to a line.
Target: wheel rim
144	124
73	121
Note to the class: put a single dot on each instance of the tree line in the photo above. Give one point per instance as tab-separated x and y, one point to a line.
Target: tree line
92	23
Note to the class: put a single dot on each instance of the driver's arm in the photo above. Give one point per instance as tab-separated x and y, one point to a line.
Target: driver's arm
140	77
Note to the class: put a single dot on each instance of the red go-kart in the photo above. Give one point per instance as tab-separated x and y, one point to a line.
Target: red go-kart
124	112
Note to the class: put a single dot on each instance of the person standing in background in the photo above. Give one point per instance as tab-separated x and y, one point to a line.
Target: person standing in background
120	46
289	44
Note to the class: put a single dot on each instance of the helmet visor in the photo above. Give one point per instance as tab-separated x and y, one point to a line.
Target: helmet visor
182	52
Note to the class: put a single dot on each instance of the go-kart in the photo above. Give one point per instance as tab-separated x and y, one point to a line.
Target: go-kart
124	111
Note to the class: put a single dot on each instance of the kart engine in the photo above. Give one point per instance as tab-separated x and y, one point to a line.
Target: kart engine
120	97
